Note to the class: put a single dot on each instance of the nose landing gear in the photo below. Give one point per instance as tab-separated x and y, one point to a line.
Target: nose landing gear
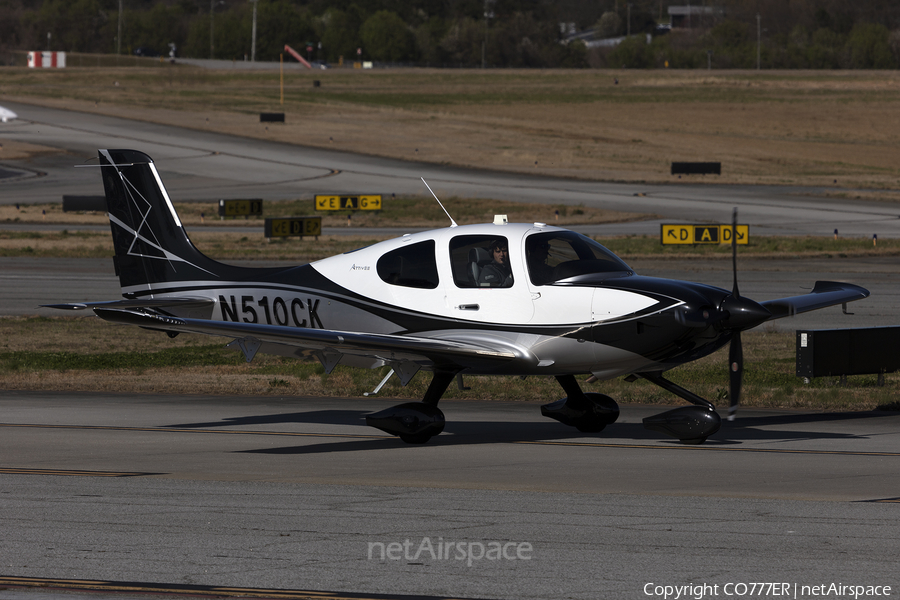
591	412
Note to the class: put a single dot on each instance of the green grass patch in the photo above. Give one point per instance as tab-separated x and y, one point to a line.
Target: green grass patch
75	361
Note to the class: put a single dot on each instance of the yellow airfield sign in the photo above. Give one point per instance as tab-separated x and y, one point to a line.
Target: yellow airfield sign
363	202
240	208
691	234
293	226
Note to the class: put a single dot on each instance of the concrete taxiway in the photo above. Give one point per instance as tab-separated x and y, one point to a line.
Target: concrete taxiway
298	494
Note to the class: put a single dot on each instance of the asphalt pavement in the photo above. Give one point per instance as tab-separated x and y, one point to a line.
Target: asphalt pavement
297	494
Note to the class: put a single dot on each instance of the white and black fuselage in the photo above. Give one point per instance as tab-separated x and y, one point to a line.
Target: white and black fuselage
607	323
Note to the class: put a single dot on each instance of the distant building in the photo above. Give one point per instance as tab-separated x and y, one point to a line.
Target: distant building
691	16
590	39
568	29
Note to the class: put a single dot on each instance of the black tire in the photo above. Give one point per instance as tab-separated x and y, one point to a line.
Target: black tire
418	438
693	441
607	403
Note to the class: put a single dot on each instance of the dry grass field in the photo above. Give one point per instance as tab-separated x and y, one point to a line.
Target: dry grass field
832	129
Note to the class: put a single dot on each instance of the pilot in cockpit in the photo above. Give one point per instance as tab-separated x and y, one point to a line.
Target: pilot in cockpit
538	252
497	273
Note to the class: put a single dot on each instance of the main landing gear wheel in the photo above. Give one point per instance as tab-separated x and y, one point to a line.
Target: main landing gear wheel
589	414
604	411
415	422
412	422
689	424
694	441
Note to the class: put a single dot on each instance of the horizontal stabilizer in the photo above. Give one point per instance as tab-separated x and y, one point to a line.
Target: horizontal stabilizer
824	294
133	304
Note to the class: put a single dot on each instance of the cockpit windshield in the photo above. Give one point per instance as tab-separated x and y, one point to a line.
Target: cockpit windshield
559	255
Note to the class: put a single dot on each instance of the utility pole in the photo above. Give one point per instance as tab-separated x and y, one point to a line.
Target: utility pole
488	15
212	4
253	44
758	42
629	19
119	31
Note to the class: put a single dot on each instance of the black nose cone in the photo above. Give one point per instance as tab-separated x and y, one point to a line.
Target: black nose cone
744	313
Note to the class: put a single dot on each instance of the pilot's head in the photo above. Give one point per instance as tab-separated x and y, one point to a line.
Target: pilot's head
500	252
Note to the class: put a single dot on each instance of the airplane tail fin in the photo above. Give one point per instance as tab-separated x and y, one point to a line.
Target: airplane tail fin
152	248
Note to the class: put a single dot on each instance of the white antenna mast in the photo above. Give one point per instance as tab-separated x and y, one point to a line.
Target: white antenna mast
452	222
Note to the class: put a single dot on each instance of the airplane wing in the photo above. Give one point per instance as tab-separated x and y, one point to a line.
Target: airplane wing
406	353
824	294
182	302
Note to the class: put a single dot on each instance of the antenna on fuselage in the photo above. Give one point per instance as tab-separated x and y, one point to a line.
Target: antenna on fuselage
452	222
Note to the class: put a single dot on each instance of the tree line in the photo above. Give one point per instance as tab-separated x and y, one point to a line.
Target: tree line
819	34
776	35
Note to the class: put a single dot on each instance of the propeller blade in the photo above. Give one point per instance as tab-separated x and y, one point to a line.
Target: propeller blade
743	313
734	217
735	373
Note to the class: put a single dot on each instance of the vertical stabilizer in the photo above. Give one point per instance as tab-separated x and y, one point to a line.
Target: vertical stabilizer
151	245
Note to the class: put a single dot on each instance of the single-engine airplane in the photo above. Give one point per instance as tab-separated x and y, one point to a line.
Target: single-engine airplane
499	298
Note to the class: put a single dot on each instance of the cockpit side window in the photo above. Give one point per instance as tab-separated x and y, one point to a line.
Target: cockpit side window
554	256
480	261
410	266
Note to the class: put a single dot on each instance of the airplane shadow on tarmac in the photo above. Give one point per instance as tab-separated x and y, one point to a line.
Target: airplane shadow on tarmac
732	434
